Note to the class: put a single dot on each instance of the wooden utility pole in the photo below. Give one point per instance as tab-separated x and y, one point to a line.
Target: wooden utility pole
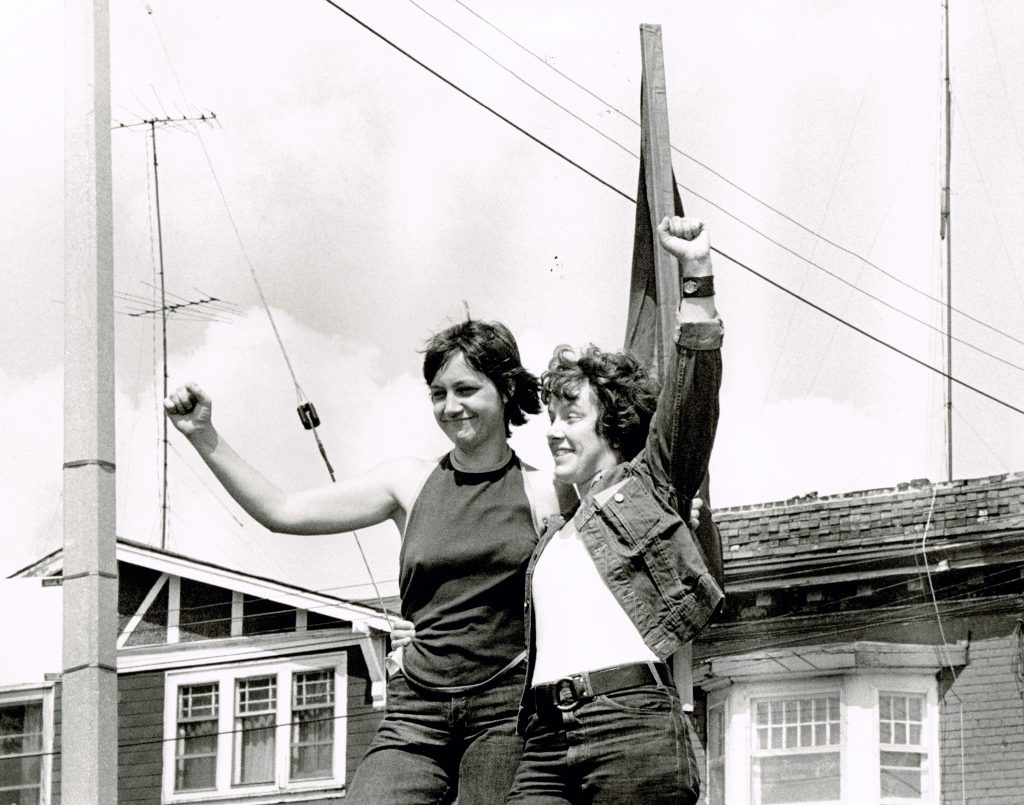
89	678
946	233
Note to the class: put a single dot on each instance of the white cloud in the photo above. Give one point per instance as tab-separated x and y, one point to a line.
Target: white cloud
797	446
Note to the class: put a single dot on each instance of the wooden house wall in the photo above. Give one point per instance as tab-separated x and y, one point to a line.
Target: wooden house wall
363	718
55	767
140	738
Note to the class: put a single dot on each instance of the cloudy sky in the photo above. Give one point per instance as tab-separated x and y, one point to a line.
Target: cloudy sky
375	204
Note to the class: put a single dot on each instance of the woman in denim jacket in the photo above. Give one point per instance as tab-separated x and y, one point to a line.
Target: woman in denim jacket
613	591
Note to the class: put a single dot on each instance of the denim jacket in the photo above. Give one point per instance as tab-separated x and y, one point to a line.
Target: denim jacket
642	547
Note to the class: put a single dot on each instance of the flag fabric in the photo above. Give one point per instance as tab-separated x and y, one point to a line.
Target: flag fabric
643	339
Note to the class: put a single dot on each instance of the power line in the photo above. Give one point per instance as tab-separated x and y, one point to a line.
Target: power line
735	217
710	170
631	199
480	103
874	338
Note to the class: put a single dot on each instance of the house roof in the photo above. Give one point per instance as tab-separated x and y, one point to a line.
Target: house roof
975	520
176	564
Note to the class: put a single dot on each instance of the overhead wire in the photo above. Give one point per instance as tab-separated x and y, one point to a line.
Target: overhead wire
787	631
871	336
808	261
626	196
894	277
307	413
631	199
835	605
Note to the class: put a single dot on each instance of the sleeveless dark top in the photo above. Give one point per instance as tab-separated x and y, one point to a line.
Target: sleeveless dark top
467	542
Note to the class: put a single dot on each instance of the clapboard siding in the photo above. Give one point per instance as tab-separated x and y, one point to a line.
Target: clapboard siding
140	738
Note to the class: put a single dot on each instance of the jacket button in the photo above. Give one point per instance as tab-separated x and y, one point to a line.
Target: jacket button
619	497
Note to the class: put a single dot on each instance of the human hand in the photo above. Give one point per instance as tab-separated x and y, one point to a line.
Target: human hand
687	240
402	632
696	509
190	410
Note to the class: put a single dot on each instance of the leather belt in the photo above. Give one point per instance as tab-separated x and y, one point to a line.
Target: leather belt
570	691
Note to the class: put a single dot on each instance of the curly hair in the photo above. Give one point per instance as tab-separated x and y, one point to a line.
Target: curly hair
490	348
625	392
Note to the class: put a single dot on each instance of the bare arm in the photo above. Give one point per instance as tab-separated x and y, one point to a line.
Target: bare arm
384	492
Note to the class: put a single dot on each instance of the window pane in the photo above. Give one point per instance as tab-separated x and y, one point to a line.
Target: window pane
313	688
901	774
196	756
254	738
20	772
254	749
21	728
716	733
197	702
255	695
798	723
798	778
900	719
195	749
312	749
716	756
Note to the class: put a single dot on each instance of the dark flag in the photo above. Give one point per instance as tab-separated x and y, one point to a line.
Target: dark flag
644	339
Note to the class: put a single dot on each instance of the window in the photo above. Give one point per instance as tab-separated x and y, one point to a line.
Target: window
716	754
258	729
796	750
26	746
847	739
902	754
195	760
255	709
312	727
21	753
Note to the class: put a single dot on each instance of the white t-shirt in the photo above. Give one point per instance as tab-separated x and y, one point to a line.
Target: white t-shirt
579	624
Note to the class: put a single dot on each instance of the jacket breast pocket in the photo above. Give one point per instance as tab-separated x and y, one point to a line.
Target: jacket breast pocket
643	537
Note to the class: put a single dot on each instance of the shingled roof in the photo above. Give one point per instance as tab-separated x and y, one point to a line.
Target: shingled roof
967	520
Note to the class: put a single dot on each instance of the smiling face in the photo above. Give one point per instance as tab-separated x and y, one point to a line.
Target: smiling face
467	405
580	453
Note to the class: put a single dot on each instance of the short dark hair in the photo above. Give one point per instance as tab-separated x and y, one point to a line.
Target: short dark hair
626	393
490	348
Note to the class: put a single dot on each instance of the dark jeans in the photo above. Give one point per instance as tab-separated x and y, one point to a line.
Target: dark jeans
622	748
431	747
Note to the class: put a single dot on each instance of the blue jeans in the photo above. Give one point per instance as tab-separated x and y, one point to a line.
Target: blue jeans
621	748
433	747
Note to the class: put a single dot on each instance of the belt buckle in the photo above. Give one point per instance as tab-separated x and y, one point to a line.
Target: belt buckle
568	692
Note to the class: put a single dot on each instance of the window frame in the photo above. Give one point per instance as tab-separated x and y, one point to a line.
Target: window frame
226	677
828	748
859	746
42	695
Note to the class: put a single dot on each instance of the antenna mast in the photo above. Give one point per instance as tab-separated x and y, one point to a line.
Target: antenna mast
152	123
946	234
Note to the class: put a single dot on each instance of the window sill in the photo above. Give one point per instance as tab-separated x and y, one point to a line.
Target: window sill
261	795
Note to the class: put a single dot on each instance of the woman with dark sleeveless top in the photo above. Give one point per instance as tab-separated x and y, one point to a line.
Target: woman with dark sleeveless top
469	523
